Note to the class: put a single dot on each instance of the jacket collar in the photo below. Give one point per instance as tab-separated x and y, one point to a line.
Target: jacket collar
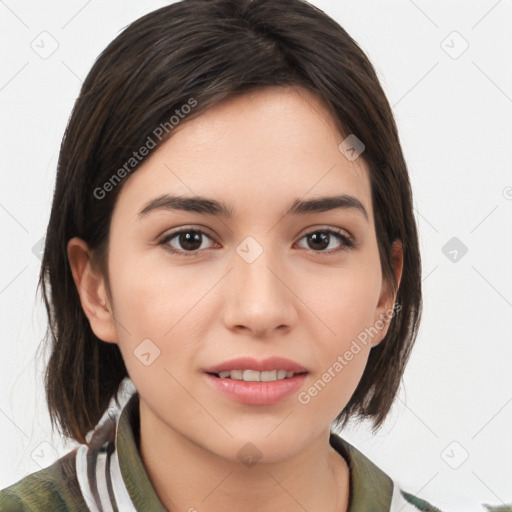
370	487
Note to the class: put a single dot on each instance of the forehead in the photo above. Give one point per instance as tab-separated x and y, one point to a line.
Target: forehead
260	149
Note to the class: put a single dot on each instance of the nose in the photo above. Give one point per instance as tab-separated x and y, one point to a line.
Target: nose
260	297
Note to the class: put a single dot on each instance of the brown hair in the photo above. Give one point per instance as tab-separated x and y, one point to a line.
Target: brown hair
211	51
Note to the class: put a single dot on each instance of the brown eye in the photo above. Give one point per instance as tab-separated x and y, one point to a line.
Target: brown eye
321	239
187	240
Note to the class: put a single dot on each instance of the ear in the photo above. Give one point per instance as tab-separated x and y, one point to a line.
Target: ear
386	307
91	288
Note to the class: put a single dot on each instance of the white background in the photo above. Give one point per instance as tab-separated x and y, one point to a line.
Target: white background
454	117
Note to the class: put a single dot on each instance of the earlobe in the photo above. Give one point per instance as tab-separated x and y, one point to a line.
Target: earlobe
386	306
90	285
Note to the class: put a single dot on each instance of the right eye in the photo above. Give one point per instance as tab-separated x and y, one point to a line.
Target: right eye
189	239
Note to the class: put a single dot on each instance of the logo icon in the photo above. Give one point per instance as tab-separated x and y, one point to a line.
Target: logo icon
45	45
454	45
351	147
249	455
454	249
454	455
249	250
146	352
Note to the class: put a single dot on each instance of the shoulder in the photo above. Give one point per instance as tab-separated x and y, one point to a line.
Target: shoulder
53	488
373	489
406	502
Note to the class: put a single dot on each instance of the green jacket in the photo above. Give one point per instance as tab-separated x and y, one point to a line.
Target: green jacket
108	476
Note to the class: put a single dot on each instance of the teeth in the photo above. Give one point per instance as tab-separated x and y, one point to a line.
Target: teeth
251	376
255	376
237	374
267	376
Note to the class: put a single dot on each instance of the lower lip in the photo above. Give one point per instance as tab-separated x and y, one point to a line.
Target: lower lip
257	393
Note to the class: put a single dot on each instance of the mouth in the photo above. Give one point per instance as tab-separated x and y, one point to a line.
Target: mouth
256	376
257	382
251	369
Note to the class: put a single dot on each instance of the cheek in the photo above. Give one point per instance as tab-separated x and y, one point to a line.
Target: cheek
345	351
331	387
159	310
346	302
347	307
150	297
342	359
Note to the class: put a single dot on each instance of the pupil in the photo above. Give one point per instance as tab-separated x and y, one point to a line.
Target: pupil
186	239
322	239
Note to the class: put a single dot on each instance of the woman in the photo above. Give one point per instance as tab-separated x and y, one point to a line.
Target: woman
232	232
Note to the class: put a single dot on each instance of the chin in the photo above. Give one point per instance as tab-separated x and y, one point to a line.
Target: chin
264	448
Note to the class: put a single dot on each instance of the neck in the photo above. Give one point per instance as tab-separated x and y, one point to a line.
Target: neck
188	477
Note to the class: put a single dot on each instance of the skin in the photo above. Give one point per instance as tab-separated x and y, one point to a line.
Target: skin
257	152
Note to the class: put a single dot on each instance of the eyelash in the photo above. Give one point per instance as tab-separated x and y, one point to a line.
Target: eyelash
347	242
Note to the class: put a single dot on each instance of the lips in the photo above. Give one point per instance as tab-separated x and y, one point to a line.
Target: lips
263	365
261	388
256	393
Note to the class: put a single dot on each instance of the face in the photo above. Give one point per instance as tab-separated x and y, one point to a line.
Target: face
193	290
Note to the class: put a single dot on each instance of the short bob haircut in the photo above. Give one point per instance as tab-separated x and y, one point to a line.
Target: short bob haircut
212	50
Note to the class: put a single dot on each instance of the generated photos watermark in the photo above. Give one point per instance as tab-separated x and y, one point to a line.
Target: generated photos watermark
137	156
362	339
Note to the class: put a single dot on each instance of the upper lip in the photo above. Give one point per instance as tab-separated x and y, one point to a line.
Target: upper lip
262	365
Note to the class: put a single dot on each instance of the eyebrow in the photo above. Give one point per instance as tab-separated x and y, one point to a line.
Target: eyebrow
207	206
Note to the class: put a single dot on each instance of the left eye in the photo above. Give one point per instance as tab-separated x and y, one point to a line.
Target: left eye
190	241
324	236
